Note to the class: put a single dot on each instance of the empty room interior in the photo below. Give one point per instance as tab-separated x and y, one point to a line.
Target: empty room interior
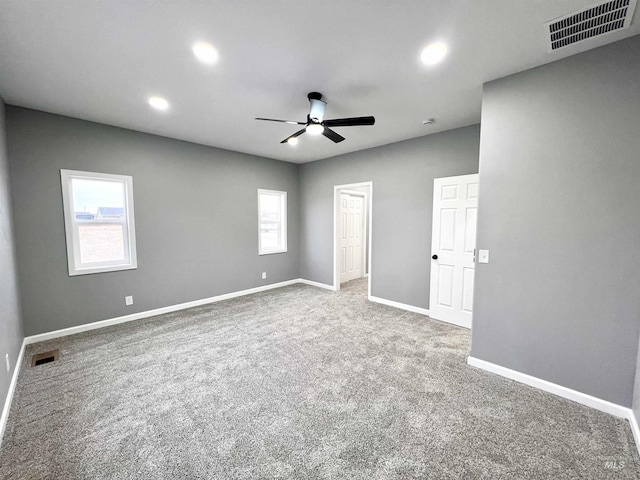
293	239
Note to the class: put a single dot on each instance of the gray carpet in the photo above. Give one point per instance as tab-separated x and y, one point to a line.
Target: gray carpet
295	383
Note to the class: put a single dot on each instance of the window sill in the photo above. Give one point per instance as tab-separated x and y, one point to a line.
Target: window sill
272	252
110	268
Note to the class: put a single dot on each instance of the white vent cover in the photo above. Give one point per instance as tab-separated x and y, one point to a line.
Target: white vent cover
589	22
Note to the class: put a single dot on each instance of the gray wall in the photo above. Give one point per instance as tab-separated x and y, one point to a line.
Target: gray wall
10	322
559	198
195	209
402	175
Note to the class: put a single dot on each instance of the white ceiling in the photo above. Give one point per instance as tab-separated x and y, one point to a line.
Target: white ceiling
101	60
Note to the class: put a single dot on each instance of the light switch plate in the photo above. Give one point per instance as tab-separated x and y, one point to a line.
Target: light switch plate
483	256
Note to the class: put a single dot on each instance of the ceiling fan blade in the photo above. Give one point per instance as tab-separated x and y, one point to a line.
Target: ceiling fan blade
297	134
282	121
349	122
331	135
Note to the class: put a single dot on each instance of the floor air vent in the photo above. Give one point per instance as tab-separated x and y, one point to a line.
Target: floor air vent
45	357
590	22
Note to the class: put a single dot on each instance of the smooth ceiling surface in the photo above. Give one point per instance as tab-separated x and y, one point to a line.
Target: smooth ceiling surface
101	60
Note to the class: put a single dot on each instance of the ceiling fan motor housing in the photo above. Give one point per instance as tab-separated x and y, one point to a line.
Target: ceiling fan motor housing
316	113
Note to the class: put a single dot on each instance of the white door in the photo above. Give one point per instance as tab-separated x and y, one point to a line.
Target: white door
453	242
351	233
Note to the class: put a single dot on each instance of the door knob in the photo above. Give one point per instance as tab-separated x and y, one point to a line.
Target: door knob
435	257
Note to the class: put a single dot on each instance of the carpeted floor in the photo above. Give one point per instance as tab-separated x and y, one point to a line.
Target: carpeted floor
296	383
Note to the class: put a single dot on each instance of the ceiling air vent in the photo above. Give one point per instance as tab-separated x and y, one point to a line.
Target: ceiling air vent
590	22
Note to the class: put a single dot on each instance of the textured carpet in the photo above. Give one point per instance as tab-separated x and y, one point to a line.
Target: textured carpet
295	383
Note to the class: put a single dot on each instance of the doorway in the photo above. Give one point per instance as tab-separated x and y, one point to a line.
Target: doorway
352	237
453	243
352	233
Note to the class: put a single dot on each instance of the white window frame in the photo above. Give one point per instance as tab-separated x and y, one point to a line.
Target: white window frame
283	222
72	231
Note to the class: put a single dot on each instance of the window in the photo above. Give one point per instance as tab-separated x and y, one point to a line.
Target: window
272	222
98	220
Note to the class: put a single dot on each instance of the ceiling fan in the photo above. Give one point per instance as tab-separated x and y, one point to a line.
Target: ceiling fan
316	125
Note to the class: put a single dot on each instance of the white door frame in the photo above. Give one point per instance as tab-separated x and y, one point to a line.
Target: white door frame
336	230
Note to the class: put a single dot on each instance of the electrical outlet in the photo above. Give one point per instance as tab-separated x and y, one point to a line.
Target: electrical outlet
6	359
264	275
128	300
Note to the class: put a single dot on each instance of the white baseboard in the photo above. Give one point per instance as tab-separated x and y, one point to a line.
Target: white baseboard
633	421
152	313
317	284
12	389
401	306
564	392
411	308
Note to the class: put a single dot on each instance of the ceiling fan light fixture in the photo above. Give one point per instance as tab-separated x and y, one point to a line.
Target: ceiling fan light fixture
292	141
315	129
434	53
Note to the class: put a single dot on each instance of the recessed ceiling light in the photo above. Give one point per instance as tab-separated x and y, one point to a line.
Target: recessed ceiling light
205	52
314	129
434	53
292	141
158	103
